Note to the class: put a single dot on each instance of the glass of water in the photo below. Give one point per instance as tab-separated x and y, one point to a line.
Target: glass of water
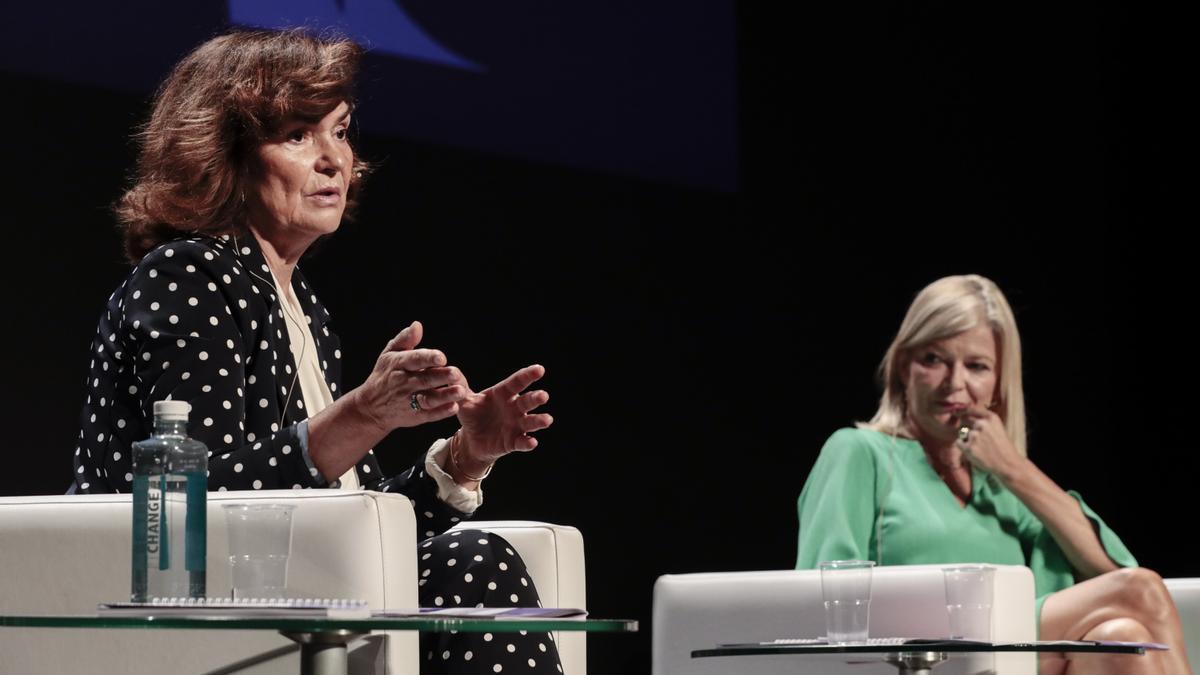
846	588
969	601
260	541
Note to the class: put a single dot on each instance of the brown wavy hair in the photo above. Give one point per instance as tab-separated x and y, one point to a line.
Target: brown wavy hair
216	106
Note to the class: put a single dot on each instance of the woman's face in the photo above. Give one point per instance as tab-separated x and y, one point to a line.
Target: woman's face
299	180
948	376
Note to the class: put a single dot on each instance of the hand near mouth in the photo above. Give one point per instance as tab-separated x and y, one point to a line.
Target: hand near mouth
987	445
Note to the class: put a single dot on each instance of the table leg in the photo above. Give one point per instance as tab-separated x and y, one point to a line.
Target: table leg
916	663
322	653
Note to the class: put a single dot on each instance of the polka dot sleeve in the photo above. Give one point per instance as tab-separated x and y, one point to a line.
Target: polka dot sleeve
434	516
190	324
199	320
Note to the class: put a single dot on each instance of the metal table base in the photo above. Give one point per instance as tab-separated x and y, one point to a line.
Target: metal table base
916	663
323	652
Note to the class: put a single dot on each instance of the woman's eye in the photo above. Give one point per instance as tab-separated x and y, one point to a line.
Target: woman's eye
979	367
341	134
930	359
296	136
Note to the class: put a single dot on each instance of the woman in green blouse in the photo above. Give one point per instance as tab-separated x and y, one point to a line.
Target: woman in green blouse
940	475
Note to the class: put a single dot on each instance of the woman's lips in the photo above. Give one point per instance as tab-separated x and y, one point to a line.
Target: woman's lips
327	198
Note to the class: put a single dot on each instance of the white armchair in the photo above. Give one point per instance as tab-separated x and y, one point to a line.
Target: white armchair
700	611
64	554
554	556
1186	594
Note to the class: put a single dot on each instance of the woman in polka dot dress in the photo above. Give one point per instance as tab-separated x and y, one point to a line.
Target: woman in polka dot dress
245	162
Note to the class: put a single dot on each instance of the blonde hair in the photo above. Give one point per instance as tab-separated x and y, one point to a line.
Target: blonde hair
943	309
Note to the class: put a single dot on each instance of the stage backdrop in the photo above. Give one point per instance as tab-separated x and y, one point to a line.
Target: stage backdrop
700	344
643	89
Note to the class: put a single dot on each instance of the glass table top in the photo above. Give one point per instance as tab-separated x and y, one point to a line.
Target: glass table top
945	646
322	624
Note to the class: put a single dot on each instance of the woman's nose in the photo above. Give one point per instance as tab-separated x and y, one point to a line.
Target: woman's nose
957	377
329	162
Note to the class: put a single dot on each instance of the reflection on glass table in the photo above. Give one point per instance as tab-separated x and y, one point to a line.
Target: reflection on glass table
323	640
918	656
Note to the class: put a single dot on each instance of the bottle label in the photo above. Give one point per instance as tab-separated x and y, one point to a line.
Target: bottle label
149	522
156	524
150	551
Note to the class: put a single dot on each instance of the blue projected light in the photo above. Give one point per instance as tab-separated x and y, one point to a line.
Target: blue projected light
381	25
643	89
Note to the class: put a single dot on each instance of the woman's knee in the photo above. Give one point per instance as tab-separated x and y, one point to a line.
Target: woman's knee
1124	629
478	548
1142	594
473	567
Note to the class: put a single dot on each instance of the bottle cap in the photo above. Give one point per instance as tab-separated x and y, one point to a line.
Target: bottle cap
172	410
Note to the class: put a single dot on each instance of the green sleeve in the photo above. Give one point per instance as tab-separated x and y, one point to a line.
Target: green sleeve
1108	539
837	505
1052	571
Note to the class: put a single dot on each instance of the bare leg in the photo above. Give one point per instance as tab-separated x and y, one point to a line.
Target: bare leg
1127	604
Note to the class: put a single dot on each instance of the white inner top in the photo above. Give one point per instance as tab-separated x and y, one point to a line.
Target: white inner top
317	397
313	388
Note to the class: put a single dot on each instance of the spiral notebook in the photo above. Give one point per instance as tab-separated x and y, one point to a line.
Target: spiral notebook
338	608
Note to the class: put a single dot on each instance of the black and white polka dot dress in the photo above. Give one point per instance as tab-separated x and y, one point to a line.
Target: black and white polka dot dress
471	568
200	320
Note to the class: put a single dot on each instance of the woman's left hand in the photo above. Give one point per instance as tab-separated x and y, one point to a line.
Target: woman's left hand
988	445
498	420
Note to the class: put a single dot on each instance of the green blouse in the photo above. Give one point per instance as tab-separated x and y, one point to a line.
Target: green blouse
872	496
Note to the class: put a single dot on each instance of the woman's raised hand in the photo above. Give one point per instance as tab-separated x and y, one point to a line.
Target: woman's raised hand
410	386
499	420
987	445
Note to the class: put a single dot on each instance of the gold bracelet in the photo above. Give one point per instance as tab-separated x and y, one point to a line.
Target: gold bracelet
464	474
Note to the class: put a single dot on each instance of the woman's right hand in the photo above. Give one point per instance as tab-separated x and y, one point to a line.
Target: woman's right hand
401	371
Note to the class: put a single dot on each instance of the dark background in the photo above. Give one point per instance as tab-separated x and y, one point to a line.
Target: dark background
701	343
625	86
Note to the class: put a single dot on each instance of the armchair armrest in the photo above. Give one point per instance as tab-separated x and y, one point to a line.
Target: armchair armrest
553	555
64	554
700	611
1186	594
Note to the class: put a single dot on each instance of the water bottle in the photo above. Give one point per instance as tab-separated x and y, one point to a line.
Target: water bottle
170	487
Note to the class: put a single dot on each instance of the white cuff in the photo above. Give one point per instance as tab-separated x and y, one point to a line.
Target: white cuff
449	491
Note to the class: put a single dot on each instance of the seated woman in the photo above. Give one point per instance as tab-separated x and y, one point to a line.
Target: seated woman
244	164
940	475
